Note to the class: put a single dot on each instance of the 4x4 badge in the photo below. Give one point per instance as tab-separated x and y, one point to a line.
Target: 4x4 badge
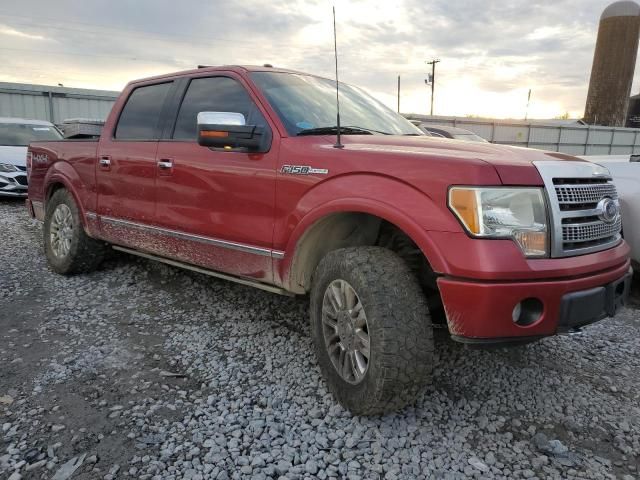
303	170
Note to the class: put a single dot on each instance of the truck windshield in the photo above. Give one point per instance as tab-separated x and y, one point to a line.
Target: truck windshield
305	102
22	134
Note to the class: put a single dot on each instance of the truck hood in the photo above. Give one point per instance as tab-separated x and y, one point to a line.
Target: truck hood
13	155
514	165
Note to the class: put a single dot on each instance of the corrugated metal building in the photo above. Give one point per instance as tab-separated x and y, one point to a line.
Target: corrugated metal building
54	104
570	137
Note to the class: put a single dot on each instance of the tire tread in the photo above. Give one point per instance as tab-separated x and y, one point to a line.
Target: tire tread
87	253
407	359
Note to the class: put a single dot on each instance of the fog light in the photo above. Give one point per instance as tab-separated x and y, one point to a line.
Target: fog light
517	311
527	312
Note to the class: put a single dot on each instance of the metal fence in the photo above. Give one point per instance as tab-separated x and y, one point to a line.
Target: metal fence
566	137
54	104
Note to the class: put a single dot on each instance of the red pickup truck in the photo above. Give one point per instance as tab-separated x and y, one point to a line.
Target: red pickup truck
235	172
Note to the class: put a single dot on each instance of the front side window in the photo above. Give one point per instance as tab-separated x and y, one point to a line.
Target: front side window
140	116
22	134
214	94
305	102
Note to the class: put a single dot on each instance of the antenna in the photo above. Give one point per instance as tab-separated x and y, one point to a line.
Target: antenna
335	52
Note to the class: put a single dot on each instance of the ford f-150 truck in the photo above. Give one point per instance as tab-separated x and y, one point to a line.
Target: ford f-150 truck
238	172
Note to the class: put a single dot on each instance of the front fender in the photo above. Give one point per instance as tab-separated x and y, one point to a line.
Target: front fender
396	202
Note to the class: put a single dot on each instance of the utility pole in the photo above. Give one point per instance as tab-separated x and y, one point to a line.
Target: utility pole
398	93
526	113
433	79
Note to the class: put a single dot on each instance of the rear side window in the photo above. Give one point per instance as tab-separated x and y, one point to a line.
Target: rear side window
140	116
214	94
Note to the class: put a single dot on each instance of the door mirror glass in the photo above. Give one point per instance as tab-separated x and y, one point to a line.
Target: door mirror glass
229	131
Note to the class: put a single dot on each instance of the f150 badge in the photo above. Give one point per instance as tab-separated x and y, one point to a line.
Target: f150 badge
303	170
40	158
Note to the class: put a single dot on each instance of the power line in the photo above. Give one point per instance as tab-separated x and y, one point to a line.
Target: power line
433	79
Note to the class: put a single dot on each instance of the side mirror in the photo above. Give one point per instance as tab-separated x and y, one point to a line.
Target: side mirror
228	130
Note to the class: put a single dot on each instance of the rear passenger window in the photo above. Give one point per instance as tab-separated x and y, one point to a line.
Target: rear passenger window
140	116
214	94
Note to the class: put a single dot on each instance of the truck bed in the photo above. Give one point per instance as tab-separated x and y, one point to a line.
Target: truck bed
72	160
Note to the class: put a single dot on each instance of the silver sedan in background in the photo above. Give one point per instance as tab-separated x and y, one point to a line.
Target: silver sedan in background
15	136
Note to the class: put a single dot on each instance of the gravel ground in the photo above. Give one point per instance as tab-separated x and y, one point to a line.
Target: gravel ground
149	372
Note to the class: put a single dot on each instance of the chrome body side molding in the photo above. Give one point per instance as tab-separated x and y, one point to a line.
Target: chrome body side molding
212	273
266	252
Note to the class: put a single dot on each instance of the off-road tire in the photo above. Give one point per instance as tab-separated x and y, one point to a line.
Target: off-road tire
85	253
400	330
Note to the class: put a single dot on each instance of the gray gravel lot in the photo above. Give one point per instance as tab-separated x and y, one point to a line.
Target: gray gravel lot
149	372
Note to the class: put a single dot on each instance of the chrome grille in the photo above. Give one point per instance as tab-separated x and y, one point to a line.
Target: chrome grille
585	193
591	231
574	190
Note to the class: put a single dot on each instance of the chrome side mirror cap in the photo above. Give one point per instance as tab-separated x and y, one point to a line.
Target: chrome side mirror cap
221	118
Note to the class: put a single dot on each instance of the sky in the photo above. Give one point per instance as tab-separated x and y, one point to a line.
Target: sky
491	52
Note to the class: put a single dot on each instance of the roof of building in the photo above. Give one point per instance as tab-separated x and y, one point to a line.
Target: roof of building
505	121
7	87
621	9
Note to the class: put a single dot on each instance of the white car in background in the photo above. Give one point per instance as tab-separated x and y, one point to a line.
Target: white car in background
625	170
15	135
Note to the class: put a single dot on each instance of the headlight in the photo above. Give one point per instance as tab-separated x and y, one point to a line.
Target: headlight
519	214
7	167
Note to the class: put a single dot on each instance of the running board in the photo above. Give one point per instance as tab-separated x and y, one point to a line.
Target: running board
211	273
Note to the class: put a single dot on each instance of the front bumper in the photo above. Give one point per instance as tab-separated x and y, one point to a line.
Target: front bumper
483	312
13	184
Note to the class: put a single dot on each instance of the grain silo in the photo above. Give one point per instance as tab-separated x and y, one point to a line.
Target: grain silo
613	65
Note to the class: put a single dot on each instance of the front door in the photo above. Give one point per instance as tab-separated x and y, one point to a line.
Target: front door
216	205
126	169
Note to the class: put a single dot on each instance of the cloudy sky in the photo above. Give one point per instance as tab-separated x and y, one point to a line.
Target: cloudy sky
492	52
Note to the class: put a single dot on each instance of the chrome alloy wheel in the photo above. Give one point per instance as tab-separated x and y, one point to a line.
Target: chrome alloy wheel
346	333
61	231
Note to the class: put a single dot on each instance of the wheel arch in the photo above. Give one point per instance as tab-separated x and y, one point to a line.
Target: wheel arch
347	223
62	175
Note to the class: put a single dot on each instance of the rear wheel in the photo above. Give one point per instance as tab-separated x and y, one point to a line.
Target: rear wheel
371	329
67	247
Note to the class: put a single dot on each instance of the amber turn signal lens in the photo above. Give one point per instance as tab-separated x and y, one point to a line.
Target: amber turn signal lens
464	203
531	242
213	133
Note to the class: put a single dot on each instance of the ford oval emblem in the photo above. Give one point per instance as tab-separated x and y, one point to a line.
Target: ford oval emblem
608	210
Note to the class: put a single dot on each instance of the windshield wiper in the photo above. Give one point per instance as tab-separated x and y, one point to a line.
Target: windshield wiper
343	130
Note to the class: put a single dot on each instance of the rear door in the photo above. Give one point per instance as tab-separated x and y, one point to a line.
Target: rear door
216	205
126	171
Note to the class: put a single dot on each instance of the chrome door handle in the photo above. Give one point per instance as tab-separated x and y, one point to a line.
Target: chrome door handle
164	164
105	162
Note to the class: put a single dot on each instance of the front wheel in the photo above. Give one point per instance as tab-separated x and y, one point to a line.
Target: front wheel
67	247
371	329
